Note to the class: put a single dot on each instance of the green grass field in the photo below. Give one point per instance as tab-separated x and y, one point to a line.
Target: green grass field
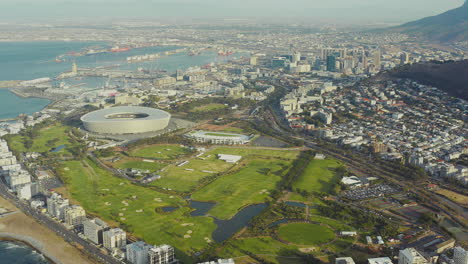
235	191
318	176
305	234
164	152
58	133
131	163
111	198
183	179
208	108
266	246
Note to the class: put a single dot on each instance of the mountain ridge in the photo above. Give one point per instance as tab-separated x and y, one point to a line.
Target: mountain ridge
450	26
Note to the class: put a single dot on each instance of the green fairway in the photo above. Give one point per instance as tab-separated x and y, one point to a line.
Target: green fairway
305	234
128	163
113	200
164	152
318	176
249	185
186	177
47	139
259	246
208	108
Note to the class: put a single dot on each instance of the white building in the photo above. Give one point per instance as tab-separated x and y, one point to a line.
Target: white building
24	192
382	260
460	255
411	256
56	206
229	158
163	254
93	229
114	238
137	253
219	138
75	215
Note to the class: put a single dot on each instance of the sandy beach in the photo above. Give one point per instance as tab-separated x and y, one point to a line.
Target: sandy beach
24	228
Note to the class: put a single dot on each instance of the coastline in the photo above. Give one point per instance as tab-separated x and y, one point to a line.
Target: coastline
25	229
35	245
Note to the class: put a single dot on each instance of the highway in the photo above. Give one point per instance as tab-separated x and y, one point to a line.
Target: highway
58	228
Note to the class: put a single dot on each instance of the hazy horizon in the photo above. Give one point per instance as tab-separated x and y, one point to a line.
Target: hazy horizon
339	11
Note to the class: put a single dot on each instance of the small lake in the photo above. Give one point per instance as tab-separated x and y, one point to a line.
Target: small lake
227	228
59	148
169	209
201	208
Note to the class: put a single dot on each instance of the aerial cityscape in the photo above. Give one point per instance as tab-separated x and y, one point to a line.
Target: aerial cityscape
216	132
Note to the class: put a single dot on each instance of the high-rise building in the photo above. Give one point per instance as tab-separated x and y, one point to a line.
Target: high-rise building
296	57
56	206
331	63
75	215
411	256
377	61
460	255
253	60
404	58
93	229
163	254
137	253
114	238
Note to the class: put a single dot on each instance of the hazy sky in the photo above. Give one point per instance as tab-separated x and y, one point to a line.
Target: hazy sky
337	10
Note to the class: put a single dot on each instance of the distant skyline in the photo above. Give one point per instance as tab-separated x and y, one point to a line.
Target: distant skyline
338	11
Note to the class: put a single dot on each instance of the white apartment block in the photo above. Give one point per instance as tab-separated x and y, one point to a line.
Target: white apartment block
460	255
163	254
56	206
411	256
74	215
114	238
93	229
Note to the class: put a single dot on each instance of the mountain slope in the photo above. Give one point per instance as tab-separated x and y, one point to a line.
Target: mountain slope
446	27
450	76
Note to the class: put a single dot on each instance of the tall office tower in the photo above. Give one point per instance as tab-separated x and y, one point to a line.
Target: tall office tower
253	60
161	255
114	238
296	57
75	215
56	206
460	255
377	61
331	63
411	256
137	253
364	61
404	58
93	229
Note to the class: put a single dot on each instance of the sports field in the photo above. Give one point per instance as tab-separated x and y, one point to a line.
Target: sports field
305	233
208	108
133	207
164	152
47	139
318	176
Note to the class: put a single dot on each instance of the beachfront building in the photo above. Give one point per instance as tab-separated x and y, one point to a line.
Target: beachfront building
74	215
93	229
137	253
114	238
56	206
163	254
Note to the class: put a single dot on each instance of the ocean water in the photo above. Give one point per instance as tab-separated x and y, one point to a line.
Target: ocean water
31	60
19	253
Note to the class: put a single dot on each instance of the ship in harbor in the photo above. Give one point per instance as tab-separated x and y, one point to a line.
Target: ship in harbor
120	49
225	53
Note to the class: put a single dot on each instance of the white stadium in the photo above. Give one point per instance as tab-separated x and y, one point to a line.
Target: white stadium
126	120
